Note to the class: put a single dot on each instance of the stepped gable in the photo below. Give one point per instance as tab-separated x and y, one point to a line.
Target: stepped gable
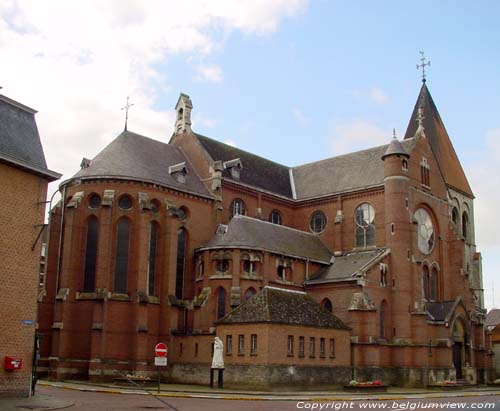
279	306
251	233
435	131
131	156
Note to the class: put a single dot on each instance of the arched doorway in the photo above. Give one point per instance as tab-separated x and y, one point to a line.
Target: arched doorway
459	346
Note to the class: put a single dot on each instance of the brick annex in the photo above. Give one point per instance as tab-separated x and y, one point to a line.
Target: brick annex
359	266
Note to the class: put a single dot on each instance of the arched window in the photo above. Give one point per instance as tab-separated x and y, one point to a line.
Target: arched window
426	233
91	254
221	303
365	229
433	285
318	221
327	304
425	282
154	206
181	263
275	217
454	215
238	207
383	320
153	244
121	258
249	293
465	225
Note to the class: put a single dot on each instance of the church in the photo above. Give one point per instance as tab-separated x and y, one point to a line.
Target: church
361	266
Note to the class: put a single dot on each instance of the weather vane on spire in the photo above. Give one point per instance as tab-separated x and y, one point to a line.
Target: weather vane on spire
126	108
422	66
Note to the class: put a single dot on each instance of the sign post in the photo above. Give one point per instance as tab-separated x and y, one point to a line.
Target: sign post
161	351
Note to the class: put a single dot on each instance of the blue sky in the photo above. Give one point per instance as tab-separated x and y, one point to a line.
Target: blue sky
294	81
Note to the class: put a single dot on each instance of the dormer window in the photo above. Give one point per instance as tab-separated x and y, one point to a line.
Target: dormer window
234	167
238	207
179	172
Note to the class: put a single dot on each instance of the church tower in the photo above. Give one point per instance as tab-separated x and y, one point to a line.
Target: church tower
183	112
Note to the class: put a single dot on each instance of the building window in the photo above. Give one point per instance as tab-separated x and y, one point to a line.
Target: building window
253	344
465	225
425	173
196	349
301	346
181	263
433	285
454	215
290	346
365	228
91	255
332	348
426	234
201	269
121	257
154	206
312	347
327	304
281	271
221	303
222	266
322	347
275	217
249	293
425	282
383	274
153	242
94	201
318	221
238	207
249	267
182	213
241	344
404	165
229	345
125	202
383	310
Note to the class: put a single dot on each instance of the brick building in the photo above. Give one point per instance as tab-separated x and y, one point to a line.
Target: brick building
493	328
23	180
365	263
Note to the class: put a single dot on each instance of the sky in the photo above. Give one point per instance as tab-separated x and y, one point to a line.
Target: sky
291	80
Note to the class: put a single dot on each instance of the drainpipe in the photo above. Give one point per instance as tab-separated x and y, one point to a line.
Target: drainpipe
60	239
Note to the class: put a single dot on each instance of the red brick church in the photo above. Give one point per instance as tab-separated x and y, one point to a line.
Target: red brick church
362	266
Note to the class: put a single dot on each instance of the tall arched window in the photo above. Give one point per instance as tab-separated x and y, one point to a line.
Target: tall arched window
383	320
90	254
121	257
153	244
181	263
433	285
238	207
365	229
327	304
425	282
465	225
454	215
221	303
249	293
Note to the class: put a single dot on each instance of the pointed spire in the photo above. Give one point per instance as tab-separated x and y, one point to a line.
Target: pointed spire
395	148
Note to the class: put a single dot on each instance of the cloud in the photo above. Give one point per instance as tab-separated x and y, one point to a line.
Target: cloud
211	74
77	65
201	120
230	143
356	135
301	118
374	95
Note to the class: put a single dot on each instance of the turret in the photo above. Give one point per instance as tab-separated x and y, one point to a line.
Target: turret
183	112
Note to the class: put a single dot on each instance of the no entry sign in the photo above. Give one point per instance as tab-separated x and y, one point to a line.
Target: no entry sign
161	350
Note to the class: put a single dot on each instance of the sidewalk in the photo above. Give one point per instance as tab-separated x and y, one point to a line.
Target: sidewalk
335	394
38	402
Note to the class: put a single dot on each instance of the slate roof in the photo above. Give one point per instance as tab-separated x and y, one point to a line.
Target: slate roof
251	233
19	139
440	311
257	171
395	147
440	142
492	318
135	157
347	266
279	306
361	169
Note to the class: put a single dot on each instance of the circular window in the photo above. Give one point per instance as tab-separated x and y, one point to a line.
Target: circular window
318	221
182	213
125	203
275	218
154	206
94	201
426	235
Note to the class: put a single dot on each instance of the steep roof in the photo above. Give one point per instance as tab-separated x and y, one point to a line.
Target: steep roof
440	311
492	318
257	171
19	139
279	306
135	157
440	142
251	233
347	266
361	169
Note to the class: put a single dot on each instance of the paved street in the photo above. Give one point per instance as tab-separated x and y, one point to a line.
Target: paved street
106	401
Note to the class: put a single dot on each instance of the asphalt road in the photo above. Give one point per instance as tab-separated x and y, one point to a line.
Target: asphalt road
104	401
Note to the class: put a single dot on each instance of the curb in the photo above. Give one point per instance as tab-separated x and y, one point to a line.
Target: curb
270	397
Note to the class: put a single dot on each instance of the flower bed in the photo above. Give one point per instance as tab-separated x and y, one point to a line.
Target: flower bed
367	386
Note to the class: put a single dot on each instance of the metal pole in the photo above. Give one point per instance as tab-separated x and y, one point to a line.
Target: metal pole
158	368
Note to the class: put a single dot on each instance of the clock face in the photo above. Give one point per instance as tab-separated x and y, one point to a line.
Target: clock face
425	234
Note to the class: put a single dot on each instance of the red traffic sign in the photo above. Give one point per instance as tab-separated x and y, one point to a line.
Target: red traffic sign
161	350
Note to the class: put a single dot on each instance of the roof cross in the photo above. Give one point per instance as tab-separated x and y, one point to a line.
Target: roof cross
126	108
422	66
